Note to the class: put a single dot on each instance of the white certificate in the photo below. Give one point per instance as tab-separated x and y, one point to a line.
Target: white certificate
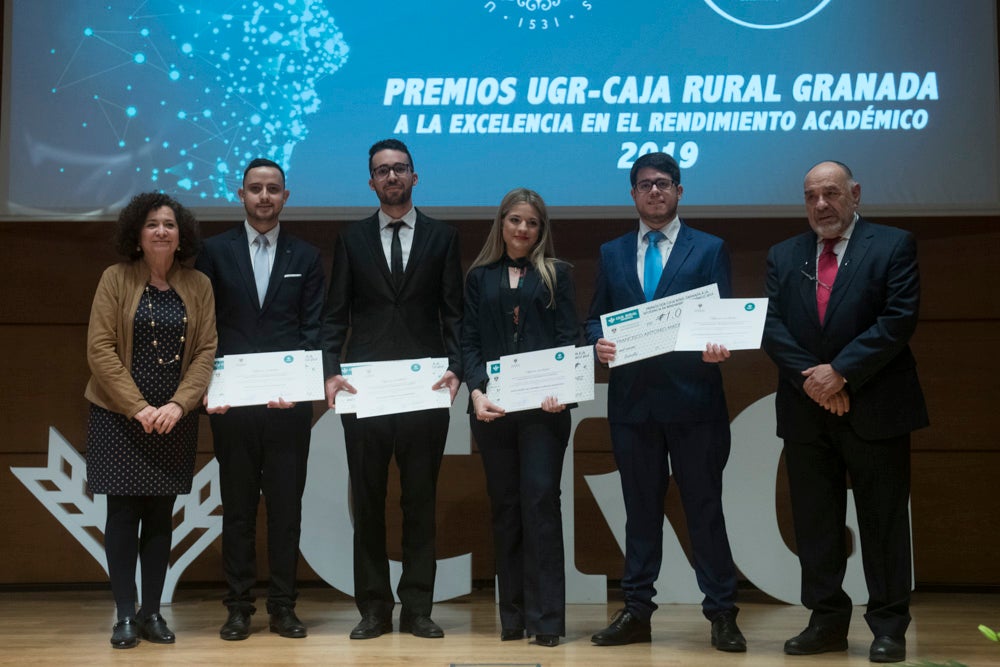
583	371
650	328
393	387
256	379
522	381
736	323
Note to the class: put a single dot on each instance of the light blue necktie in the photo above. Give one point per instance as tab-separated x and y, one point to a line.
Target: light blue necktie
260	267
652	265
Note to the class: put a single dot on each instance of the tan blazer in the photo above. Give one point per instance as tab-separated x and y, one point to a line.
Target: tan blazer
109	337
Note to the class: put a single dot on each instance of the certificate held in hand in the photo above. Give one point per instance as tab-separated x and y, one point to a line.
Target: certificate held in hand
650	328
257	379
393	387
522	381
738	324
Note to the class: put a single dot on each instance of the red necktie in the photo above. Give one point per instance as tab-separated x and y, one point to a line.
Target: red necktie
826	273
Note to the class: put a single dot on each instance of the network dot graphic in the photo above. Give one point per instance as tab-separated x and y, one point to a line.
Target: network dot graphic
181	95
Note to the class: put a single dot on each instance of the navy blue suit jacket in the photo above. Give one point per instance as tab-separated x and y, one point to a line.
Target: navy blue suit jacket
540	326
673	387
290	316
865	335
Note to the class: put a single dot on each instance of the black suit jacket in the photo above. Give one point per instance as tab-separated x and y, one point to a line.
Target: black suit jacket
290	316
540	326
674	387
422	318
865	335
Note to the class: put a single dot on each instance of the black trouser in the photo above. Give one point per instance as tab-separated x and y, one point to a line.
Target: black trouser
523	456
880	479
265	451
417	440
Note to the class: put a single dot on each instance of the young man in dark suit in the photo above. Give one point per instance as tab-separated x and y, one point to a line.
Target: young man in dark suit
672	404
268	296
396	286
843	305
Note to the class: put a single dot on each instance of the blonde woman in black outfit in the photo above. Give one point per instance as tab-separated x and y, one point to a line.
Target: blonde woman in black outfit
520	298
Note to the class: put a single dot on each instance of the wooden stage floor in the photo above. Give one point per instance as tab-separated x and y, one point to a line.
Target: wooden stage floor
73	627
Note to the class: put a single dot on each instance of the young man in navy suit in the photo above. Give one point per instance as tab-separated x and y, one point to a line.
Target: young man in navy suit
843	306
672	404
268	298
396	287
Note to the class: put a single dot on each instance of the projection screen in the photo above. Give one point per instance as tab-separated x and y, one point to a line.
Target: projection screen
103	99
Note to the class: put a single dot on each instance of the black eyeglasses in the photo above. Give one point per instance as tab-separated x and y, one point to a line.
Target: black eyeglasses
381	172
662	184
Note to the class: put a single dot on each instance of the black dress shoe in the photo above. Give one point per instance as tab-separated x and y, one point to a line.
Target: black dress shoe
815	639
237	626
511	635
284	622
547	640
625	628
154	628
371	626
887	649
125	634
420	626
726	635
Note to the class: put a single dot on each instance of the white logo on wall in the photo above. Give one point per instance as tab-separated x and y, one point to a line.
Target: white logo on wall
61	487
538	14
767	14
327	526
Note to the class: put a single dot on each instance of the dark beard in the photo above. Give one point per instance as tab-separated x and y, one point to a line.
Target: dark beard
394	198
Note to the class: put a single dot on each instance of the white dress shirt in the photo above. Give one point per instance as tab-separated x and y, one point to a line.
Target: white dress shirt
405	234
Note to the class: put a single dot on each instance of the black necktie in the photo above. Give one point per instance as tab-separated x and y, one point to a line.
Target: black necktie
396	252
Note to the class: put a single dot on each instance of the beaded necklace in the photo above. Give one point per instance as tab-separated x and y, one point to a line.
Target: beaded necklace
152	327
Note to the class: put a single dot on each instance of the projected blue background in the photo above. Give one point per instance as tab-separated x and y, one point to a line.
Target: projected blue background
107	98
176	95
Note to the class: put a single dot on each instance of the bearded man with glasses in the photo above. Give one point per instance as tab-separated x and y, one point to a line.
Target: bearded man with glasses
396	288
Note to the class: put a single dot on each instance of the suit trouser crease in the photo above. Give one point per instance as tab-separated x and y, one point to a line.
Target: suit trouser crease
417	440
697	451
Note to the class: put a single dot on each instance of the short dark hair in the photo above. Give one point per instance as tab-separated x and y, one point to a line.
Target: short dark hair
262	162
133	216
388	145
658	161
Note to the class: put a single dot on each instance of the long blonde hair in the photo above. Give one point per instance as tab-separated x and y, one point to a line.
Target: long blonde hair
542	255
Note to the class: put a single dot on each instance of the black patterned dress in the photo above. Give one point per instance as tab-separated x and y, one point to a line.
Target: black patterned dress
122	459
